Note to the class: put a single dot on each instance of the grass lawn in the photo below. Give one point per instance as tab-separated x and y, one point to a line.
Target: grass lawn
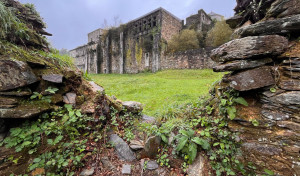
159	91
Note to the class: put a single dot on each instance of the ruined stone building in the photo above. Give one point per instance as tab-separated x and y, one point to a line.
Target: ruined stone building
139	45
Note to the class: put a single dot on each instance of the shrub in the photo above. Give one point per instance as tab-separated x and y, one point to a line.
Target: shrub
219	34
185	40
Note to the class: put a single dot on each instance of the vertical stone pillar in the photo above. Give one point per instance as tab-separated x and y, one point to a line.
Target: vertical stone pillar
156	53
121	53
107	55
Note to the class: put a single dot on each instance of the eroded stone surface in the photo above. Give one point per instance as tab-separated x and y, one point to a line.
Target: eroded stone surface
122	148
249	47
15	74
252	79
283	8
70	98
24	111
241	64
151	147
96	88
88	172
136	144
152	165
148	119
196	169
126	169
264	149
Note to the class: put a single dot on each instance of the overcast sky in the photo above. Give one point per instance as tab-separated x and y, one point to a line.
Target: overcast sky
70	20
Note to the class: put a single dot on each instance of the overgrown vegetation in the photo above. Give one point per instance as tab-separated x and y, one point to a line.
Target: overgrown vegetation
219	34
186	40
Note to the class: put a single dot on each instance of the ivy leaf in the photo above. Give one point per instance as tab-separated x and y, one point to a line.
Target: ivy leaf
181	143
240	100
231	110
26	143
164	138
57	139
202	142
269	172
36	160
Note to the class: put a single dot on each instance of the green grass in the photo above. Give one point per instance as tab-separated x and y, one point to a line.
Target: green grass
159	91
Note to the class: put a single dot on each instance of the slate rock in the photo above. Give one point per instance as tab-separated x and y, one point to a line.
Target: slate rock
241	64
289	125
96	88
126	169
197	168
107	164
262	149
152	165
121	147
136	144
25	111
249	47
133	106
289	83
70	98
6	102
283	8
15	74
21	93
252	79
151	147
270	27
148	119
275	115
55	78
235	21
287	98
88	172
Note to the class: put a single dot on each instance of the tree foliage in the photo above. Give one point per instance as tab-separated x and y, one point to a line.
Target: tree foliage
219	34
187	39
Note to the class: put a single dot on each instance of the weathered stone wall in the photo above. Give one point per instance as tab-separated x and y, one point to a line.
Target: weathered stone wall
80	54
95	35
265	60
170	26
200	21
191	59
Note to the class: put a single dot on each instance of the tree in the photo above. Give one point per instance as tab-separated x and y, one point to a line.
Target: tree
187	39
219	34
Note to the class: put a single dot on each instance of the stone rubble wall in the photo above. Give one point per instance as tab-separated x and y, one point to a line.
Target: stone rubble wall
191	59
264	60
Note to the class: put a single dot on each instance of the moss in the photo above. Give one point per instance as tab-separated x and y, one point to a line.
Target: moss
138	54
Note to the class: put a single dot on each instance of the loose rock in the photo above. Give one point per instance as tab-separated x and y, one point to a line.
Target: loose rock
87	172
133	106
107	164
151	147
136	144
126	169
249	47
122	148
55	78
148	119
15	74
152	165
70	98
197	168
96	88
283	8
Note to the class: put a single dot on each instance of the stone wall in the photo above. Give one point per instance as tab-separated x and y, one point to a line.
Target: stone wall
170	26
80	54
265	60
95	35
200	21
191	59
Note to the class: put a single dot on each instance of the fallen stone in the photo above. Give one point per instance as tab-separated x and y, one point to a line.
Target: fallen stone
283	8
287	98
133	106
270	27
249	47
55	78
151	147
289	125
148	119
252	79
107	164
136	144
96	88
152	165
262	149
241	64
87	172
235	21
197	168
122	148
88	107
70	98
126	169
15	74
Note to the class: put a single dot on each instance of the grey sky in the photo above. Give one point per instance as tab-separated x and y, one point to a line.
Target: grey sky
70	20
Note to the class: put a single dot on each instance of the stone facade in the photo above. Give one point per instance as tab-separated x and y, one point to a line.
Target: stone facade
200	21
138	45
